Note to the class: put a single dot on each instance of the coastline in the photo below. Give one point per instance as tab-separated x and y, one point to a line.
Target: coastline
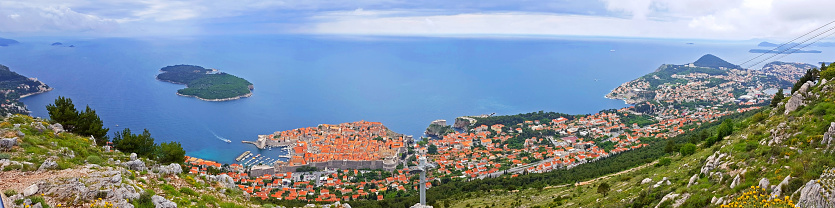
218	100
35	93
204	99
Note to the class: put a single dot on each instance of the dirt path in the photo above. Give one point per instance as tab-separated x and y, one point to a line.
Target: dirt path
606	176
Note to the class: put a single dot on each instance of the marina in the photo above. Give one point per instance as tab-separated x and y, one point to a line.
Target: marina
248	159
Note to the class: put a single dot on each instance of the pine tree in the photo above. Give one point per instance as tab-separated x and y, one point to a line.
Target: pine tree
63	112
777	98
89	124
170	152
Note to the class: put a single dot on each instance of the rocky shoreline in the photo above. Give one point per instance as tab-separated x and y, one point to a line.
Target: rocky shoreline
218	100
35	93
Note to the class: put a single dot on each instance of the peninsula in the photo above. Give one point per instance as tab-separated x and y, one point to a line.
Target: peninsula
354	145
206	84
14	86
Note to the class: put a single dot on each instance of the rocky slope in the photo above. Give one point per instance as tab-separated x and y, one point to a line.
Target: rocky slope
43	166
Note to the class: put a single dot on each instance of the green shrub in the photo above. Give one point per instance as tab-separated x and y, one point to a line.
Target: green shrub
5	156
663	162
188	191
828	74
38	199
144	200
170	190
10	192
688	149
92	159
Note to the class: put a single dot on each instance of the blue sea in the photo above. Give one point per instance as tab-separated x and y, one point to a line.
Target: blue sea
304	80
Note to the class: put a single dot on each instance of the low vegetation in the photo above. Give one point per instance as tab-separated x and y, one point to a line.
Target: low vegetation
202	83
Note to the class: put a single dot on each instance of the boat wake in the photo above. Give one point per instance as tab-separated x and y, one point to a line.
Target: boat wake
221	138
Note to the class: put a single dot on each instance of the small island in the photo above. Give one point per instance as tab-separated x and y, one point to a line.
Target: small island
206	84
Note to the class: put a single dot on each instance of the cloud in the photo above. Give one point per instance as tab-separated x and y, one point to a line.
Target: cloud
55	19
700	19
696	19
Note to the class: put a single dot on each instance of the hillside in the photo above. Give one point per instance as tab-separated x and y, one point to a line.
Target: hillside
711	61
709	81
7	42
779	156
14	86
40	162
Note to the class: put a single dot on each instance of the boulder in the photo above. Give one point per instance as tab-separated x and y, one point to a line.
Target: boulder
798	98
669	197
646	180
829	136
224	180
735	181
136	165
778	191
160	202
57	128
31	190
116	178
764	183
37	126
125	193
814	195
48	165
693	180
663	181
172	168
132	156
712	162
8	143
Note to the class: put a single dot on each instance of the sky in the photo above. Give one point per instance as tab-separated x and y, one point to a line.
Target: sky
671	19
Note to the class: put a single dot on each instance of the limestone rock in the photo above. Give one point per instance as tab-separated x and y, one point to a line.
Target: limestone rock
814	195
160	202
418	205
798	98
57	128
646	180
680	201
712	162
778	191
735	181
829	136
669	197
224	180
8	143
764	183
663	181
693	180
116	178
48	165
172	168
29	191
778	134
132	156
37	126
136	165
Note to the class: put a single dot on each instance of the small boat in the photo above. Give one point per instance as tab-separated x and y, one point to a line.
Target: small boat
613	50
117	125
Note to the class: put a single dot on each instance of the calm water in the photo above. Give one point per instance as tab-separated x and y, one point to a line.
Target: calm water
304	81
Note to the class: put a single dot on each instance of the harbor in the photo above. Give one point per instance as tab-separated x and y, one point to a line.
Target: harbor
268	156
